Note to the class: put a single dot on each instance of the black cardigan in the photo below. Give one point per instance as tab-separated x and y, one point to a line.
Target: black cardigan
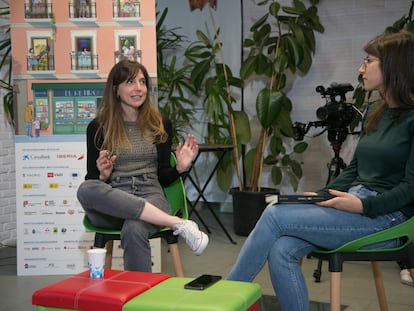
166	173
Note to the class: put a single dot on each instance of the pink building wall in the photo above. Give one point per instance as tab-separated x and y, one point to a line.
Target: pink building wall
100	25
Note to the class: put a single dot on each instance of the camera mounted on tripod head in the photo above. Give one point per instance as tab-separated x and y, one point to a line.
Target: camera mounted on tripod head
336	115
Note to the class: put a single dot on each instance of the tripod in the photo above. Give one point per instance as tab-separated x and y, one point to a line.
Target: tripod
337	164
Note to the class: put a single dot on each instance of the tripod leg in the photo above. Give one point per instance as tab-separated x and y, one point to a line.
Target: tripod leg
318	272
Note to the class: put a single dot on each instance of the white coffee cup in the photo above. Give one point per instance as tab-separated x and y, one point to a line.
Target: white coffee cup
96	259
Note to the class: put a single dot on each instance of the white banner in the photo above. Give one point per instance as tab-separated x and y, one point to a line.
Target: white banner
51	239
50	236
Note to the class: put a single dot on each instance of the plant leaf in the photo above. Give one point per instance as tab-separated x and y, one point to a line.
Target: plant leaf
300	147
268	106
276	174
242	124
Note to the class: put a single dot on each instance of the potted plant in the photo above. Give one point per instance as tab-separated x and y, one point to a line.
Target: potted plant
280	48
282	41
212	84
215	83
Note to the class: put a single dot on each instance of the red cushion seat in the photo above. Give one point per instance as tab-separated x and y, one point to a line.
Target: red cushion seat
80	292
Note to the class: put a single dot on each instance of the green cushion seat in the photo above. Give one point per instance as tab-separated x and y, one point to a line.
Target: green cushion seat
221	296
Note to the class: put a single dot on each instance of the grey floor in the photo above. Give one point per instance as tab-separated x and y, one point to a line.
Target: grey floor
358	291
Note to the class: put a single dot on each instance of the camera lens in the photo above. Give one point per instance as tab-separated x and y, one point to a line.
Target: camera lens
322	113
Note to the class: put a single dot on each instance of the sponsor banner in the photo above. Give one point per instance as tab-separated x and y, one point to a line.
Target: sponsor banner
51	239
50	236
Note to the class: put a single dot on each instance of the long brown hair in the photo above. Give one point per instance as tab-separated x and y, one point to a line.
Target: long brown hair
109	116
396	54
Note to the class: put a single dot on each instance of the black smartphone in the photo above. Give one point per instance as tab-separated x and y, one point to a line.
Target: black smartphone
202	282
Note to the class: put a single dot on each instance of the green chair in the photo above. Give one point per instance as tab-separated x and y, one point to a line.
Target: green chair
355	251
175	194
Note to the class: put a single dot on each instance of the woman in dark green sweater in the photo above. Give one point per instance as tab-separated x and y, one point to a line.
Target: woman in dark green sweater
374	193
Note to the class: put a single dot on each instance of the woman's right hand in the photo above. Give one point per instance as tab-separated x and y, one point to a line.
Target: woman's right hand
105	164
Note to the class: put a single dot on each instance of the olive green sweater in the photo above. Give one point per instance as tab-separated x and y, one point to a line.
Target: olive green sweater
383	161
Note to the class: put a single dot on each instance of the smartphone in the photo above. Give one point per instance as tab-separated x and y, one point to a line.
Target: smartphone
202	282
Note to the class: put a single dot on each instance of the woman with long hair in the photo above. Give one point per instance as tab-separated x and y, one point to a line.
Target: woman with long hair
128	162
373	193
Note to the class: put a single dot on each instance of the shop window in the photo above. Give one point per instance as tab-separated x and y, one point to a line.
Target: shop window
42	112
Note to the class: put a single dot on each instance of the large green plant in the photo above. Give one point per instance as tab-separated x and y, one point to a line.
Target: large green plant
174	83
6	81
280	48
215	84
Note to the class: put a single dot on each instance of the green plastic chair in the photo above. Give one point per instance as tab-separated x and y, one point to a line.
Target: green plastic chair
354	251
175	194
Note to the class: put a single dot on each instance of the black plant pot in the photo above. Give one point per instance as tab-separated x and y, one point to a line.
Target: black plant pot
248	206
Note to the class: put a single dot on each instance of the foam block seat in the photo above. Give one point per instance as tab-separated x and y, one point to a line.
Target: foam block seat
221	296
80	292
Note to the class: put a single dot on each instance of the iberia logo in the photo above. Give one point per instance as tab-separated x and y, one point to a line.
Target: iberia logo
81	157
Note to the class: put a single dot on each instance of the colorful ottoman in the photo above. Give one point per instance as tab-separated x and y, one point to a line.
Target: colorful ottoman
221	296
80	292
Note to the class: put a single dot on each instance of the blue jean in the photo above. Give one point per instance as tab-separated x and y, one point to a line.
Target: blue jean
285	233
29	128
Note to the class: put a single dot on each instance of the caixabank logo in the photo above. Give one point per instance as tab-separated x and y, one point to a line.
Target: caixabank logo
28	157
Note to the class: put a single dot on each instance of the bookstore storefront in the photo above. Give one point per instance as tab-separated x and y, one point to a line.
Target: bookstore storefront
66	108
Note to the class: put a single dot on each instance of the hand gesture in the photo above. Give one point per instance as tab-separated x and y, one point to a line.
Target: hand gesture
186	153
105	164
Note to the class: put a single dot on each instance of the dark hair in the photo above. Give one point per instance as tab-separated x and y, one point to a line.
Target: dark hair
127	70
396	54
111	124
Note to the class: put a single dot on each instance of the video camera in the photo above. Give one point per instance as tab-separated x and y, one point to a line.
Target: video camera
336	115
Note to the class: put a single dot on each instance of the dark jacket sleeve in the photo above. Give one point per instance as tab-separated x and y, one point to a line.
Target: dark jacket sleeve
92	151
166	173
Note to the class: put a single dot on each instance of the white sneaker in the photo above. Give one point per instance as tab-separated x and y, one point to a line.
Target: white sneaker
197	240
406	277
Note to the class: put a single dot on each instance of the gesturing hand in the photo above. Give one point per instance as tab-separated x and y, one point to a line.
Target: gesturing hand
186	153
105	164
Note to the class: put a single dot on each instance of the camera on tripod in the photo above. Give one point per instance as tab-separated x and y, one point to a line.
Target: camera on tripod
336	115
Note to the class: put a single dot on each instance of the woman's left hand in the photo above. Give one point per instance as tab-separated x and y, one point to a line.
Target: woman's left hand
186	153
343	201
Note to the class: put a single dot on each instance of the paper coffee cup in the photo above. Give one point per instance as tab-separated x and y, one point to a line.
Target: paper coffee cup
96	259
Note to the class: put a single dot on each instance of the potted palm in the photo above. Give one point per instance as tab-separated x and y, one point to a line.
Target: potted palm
280	48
